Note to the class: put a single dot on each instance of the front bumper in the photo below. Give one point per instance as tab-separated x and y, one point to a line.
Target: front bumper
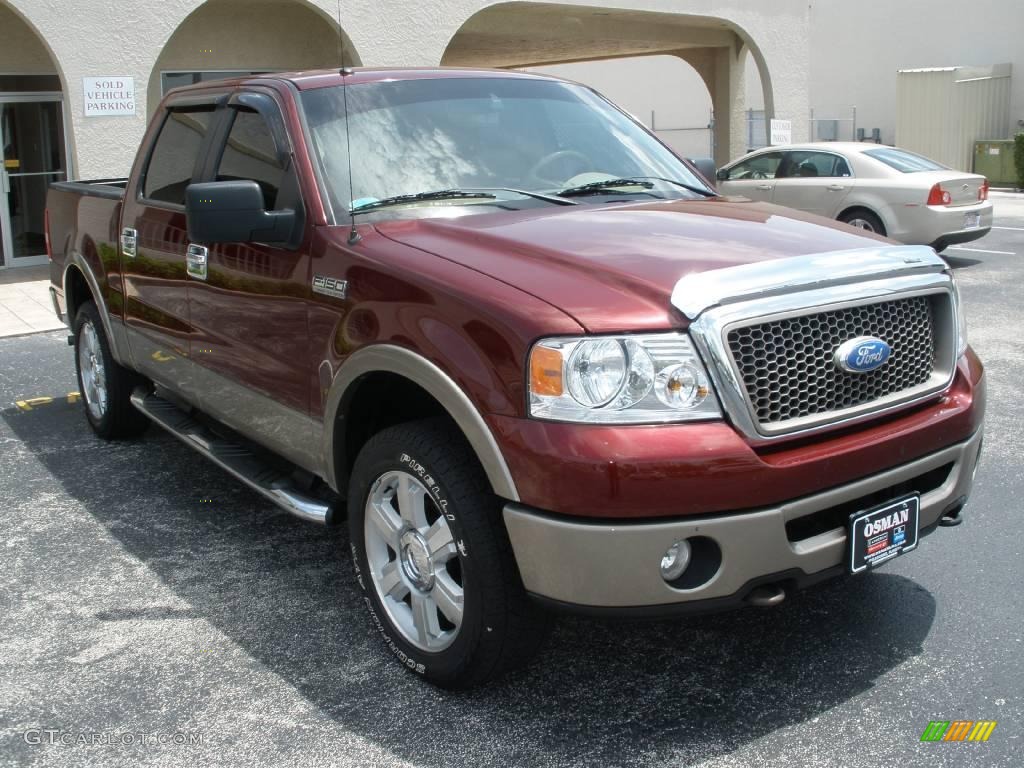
614	567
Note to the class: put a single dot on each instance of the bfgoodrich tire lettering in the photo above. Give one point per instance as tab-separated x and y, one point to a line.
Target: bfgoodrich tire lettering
452	546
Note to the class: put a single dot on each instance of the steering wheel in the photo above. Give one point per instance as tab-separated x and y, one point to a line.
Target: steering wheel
758	175
534	172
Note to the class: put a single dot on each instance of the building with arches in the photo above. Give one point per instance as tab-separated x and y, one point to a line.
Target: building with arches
78	85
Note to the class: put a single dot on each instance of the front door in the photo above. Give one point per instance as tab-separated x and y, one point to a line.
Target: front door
248	303
753	177
34	154
816	182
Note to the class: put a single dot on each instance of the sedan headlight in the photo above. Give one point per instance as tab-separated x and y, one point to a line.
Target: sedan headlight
620	380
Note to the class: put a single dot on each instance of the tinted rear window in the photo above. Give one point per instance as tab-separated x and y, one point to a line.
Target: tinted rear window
174	155
905	162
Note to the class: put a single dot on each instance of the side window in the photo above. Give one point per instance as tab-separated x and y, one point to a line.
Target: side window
174	155
761	167
250	154
816	164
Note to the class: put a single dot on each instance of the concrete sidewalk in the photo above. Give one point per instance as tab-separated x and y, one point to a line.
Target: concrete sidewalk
25	305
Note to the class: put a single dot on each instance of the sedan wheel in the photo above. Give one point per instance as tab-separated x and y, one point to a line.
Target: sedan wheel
866	220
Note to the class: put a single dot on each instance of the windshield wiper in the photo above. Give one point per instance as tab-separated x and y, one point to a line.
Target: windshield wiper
524	193
599	187
440	194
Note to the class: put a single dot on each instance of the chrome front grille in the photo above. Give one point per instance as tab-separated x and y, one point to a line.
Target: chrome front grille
786	365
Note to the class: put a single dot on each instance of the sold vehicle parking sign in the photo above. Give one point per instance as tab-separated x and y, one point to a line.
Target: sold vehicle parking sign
106	96
782	132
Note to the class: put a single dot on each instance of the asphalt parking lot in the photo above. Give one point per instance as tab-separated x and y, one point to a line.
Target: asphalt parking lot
144	592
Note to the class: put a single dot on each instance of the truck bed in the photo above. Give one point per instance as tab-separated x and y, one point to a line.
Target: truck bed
109	188
83	221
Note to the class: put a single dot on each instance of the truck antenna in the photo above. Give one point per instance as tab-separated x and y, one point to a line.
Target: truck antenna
353	236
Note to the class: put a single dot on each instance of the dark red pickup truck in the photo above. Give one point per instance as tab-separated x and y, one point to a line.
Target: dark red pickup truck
540	362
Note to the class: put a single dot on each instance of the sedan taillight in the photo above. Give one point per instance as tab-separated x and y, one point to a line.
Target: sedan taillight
939	196
983	191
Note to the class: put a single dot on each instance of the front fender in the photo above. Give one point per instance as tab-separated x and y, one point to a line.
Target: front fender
389	358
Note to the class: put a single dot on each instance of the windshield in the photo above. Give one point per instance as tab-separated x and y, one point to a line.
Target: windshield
905	162
501	135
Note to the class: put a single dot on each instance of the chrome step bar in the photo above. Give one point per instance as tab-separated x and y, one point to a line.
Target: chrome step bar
236	459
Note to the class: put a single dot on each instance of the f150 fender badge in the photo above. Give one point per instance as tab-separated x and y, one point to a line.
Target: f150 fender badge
862	354
330	286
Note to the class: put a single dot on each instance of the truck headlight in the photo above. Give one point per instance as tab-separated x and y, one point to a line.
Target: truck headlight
961	319
639	379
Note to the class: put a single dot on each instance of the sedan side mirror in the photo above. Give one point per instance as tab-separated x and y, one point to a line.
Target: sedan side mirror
722	175
233	212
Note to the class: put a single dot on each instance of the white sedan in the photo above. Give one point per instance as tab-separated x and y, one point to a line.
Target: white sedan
871	186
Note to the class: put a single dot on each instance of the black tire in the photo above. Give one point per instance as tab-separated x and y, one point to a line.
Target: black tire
863	219
501	629
116	418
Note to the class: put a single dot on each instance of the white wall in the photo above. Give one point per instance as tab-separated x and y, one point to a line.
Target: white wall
665	85
857	48
107	38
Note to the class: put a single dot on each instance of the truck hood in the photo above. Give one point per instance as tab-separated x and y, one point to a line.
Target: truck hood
612	267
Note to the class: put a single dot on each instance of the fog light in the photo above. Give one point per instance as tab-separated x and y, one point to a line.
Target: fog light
675	560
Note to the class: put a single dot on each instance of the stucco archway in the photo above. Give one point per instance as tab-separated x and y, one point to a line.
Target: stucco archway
229	36
527	34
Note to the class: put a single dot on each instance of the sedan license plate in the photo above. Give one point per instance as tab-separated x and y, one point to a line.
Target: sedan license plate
878	535
972	220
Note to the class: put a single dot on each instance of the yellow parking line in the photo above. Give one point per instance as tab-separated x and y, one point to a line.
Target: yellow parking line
32	402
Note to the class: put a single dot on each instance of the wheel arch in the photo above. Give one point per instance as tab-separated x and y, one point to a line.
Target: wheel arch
80	284
414	376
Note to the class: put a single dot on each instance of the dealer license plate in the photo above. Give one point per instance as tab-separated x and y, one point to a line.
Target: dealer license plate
972	220
878	535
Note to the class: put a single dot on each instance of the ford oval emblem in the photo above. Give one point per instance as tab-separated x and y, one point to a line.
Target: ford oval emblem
863	354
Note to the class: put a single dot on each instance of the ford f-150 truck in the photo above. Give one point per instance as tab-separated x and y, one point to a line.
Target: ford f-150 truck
526	349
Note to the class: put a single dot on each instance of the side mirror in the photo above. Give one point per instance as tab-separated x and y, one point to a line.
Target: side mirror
706	166
233	212
722	175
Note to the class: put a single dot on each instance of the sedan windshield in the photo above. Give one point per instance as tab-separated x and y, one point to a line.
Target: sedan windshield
414	142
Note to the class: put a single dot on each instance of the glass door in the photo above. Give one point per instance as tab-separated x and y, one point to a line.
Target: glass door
35	154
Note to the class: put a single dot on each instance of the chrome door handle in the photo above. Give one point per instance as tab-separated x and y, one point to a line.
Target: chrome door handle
195	261
5	182
764	187
836	187
129	239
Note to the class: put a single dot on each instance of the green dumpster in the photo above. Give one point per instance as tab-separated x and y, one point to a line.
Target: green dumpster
994	161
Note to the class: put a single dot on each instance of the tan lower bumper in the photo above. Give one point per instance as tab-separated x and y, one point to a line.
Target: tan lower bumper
617	565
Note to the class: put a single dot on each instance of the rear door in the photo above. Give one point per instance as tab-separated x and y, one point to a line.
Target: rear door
248	303
813	181
154	241
753	177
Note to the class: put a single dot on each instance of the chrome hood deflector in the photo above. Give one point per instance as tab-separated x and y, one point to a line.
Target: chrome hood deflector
700	291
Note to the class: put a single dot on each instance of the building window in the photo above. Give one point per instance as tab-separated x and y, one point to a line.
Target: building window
29	83
169	80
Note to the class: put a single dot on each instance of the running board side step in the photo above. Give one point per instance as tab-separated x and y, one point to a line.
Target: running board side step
233	457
